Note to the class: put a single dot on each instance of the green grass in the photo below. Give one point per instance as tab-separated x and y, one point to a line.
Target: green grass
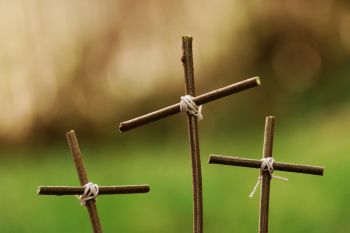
305	203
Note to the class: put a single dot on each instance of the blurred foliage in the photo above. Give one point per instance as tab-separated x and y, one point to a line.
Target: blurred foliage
303	204
87	65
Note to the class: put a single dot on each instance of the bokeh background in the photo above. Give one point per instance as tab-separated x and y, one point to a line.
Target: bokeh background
87	65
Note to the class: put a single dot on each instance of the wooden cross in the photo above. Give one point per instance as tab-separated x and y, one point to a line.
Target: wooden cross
187	61
83	178
265	175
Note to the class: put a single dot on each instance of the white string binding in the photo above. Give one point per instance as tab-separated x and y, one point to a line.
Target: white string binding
266	165
90	192
187	104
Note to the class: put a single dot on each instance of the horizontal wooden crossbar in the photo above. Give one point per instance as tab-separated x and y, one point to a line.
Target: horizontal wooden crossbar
252	163
199	100
79	190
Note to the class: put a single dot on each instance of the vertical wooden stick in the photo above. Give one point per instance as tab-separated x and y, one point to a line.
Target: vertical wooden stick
83	178
266	178
187	61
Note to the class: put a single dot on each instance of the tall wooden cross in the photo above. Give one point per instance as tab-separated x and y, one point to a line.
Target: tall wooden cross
265	175
83	178
187	60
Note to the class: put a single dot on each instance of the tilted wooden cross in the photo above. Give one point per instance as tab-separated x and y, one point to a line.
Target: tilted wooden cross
187	60
83	178
265	175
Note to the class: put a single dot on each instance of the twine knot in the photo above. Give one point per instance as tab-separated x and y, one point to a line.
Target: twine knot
90	192
266	165
187	104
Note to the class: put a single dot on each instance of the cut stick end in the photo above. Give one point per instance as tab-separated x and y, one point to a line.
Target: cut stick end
70	132
187	37
38	191
210	159
322	171
121	127
258	81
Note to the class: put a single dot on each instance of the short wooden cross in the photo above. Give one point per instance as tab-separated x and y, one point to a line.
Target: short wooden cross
83	178
187	60
265	175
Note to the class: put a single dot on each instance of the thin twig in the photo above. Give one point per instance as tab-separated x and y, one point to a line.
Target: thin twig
199	100
253	163
83	178
187	61
79	190
266	177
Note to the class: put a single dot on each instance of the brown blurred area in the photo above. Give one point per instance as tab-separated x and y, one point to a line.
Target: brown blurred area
90	64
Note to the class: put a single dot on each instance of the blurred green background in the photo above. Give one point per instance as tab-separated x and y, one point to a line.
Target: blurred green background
87	65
